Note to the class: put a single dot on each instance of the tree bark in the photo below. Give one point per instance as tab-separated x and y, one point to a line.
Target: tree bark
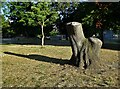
84	51
43	36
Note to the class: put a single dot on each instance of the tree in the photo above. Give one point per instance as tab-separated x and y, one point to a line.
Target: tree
97	17
31	15
18	18
6	30
43	15
6	27
65	10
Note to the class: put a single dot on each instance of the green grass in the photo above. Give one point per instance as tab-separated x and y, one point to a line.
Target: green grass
36	66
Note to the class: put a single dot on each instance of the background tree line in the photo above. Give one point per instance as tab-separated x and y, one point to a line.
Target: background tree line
39	18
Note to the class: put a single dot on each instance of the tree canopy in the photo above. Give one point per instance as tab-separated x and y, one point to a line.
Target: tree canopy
28	14
27	17
97	17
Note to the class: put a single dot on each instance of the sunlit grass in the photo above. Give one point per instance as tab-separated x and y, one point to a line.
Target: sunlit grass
36	66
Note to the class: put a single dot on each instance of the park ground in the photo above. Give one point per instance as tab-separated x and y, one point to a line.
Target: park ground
36	66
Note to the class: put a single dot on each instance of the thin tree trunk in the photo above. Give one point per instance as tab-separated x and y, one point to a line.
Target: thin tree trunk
43	36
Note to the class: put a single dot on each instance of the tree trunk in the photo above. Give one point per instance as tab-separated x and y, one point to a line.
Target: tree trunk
43	36
85	51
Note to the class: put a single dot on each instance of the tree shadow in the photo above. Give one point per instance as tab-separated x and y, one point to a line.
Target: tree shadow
41	58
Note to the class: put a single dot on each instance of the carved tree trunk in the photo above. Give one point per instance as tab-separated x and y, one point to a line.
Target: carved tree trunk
85	51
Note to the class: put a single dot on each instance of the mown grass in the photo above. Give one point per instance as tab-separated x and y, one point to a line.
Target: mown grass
36	66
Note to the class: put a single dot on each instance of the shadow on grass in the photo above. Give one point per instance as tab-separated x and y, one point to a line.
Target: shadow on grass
40	58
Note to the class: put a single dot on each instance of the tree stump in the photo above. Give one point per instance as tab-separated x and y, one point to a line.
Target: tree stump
85	51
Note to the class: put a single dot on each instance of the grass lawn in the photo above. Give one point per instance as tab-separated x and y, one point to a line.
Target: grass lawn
36	66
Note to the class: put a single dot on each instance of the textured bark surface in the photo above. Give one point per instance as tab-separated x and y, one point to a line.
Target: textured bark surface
85	50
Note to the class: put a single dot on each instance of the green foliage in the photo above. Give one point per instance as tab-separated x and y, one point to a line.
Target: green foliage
6	27
66	10
53	32
95	17
29	15
43	13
